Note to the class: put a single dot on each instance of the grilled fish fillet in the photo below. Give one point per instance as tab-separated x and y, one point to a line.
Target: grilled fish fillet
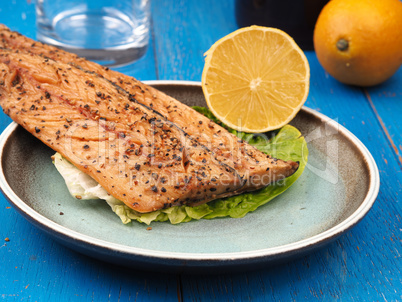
251	164
122	139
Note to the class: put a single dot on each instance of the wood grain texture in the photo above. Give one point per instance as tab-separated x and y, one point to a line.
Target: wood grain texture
364	264
36	268
386	102
184	31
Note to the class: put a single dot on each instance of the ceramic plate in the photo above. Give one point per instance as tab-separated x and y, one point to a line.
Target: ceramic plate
336	190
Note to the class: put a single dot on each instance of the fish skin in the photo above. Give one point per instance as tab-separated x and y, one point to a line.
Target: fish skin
250	163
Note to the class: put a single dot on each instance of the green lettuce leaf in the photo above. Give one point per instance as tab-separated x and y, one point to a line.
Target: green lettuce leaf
286	144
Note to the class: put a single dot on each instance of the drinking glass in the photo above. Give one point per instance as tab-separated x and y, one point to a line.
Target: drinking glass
111	32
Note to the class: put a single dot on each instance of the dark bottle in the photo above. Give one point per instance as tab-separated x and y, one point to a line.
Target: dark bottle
295	17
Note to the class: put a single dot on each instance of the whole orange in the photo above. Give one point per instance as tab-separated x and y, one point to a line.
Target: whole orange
359	42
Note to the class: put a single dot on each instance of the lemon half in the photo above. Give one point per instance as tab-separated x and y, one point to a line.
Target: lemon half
255	79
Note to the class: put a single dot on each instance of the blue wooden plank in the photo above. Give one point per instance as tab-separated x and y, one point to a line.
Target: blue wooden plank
19	16
352	257
36	268
184	31
365	263
386	102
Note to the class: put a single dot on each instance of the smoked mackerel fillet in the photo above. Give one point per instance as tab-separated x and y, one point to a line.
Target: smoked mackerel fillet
226	147
143	147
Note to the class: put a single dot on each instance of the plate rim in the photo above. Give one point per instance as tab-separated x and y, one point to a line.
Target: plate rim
332	233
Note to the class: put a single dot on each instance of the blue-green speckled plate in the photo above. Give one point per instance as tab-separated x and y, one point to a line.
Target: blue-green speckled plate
336	190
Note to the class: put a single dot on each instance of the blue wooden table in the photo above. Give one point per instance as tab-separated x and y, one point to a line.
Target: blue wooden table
364	264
